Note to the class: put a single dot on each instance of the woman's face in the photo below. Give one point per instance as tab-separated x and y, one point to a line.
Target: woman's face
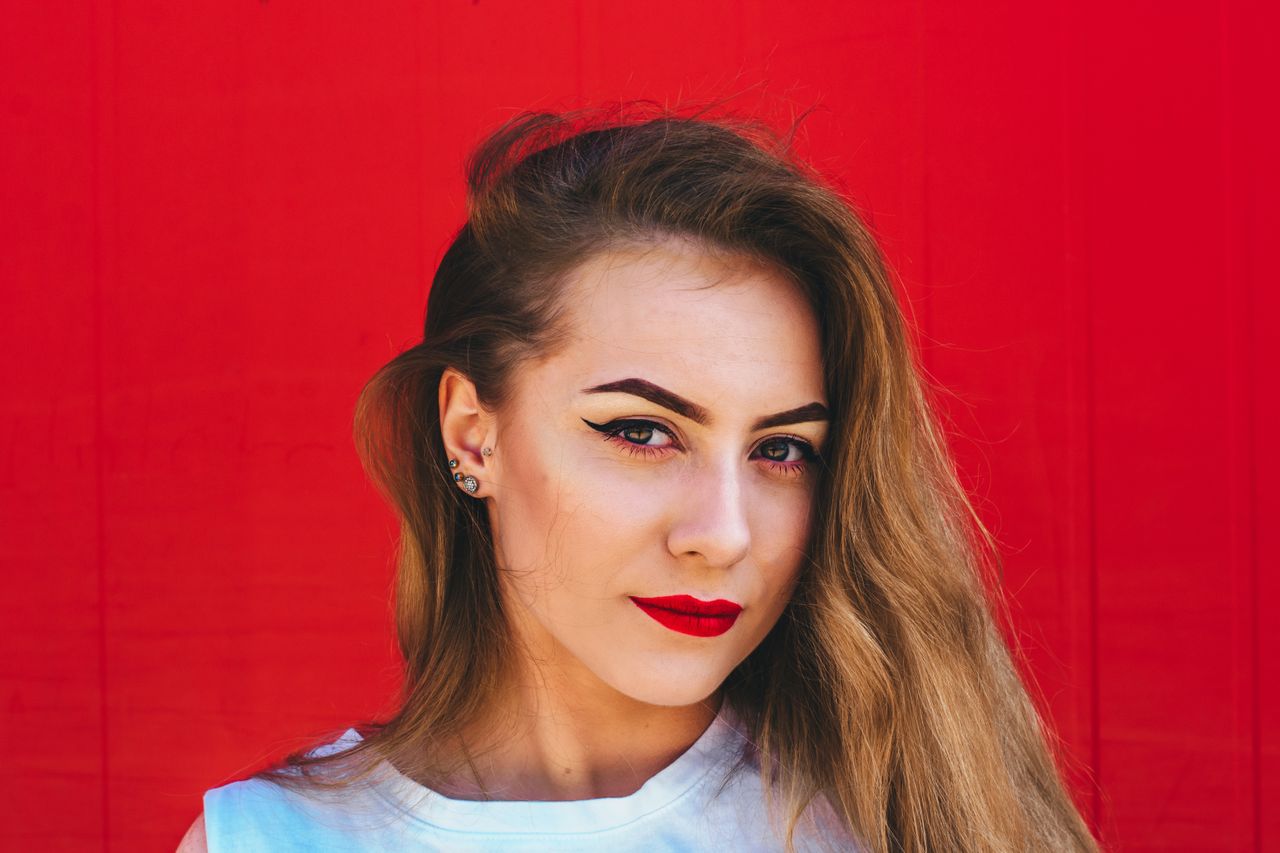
667	450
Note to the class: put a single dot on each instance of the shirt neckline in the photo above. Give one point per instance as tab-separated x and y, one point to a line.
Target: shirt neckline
719	745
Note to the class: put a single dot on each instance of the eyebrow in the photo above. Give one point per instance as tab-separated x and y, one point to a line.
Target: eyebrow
670	400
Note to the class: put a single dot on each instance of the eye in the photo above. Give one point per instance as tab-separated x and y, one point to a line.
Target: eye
636	436
788	455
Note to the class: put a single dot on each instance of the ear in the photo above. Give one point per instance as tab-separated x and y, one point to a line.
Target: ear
466	428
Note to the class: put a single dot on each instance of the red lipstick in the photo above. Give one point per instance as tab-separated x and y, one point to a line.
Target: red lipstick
689	615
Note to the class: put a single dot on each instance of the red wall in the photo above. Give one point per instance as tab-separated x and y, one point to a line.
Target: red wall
219	219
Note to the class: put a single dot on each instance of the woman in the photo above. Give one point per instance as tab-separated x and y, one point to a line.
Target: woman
683	561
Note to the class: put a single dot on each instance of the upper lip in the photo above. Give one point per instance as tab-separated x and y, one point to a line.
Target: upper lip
689	604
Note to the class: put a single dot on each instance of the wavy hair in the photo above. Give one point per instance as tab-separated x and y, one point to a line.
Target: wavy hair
886	687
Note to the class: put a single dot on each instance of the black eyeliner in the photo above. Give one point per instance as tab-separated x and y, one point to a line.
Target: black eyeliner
622	423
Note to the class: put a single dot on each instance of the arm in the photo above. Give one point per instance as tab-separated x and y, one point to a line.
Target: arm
194	841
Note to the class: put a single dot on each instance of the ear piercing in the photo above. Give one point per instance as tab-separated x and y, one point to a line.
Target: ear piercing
468	482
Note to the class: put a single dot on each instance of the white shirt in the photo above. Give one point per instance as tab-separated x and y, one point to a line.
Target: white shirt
692	804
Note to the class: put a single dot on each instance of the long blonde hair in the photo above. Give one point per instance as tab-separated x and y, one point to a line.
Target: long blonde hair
886	687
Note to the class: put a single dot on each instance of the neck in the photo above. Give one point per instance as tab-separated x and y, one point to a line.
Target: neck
563	734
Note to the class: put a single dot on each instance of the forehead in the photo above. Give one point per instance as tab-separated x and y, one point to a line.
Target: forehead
707	325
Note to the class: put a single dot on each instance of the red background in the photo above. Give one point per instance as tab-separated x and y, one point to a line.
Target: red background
219	219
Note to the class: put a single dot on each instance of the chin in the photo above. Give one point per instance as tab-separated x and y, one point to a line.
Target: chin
664	696
671	686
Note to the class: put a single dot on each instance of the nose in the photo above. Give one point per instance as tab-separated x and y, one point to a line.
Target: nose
711	524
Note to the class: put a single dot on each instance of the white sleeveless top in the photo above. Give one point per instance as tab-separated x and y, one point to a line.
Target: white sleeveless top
693	804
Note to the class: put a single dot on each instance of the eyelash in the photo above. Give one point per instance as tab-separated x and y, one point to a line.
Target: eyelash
612	433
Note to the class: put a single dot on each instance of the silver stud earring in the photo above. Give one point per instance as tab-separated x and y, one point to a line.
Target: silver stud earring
486	452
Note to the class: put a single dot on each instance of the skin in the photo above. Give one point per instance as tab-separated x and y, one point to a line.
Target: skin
606	696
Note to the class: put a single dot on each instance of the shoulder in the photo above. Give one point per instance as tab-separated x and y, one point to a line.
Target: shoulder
260	813
248	815
194	841
257	815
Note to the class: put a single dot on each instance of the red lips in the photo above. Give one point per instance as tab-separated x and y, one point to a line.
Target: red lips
689	615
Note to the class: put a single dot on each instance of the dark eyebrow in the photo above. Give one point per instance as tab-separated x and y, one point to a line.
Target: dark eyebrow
670	400
800	414
657	395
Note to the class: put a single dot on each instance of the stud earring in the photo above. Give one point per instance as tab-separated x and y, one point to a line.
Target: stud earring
486	452
468	482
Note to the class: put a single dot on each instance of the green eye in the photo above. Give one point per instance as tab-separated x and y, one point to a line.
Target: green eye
786	451
776	450
634	434
640	435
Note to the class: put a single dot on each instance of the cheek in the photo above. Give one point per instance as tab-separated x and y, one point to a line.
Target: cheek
530	511
570	522
780	532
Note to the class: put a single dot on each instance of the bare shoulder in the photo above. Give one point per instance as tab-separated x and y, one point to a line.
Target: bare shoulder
194	841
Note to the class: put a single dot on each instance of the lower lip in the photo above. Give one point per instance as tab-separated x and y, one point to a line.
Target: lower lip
694	624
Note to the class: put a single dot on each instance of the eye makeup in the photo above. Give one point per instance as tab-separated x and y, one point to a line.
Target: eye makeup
615	432
670	400
795	467
625	432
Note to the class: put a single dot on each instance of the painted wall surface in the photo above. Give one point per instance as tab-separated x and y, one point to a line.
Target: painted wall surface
219	219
